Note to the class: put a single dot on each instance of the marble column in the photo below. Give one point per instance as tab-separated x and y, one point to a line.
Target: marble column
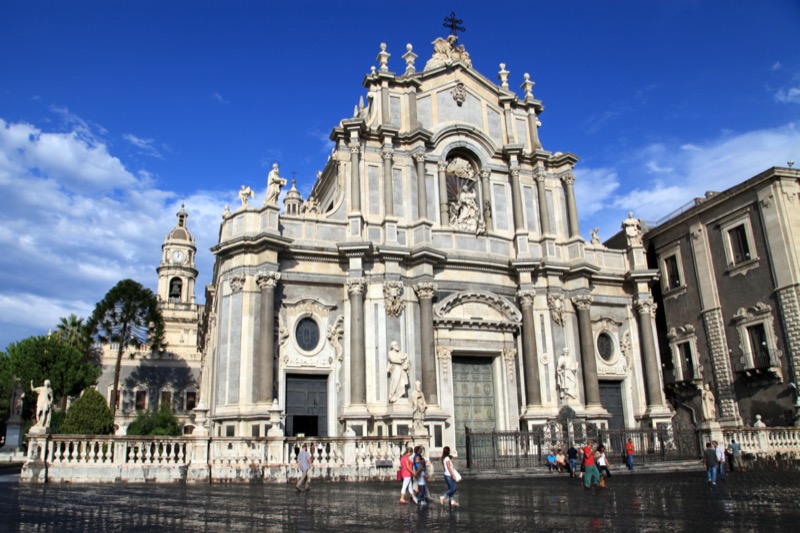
529	356
544	217
646	309
591	387
355	176
572	210
358	361
485	174
388	196
516	191
425	293
422	196
443	209
265	355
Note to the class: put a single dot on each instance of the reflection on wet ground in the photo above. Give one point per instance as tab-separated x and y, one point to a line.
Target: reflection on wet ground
751	501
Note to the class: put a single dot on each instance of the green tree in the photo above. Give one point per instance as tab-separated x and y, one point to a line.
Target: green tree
162	422
74	331
48	357
128	316
89	415
6	384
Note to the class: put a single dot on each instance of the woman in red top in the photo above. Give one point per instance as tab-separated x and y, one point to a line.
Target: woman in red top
629	454
592	473
406	472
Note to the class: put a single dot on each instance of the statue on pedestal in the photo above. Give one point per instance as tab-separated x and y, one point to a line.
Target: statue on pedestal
566	375
44	405
274	184
633	230
709	404
245	193
419	405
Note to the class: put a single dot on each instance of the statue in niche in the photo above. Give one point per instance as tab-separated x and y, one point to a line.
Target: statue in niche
464	212
44	404
245	193
274	184
709	404
419	405
567	375
633	230
398	372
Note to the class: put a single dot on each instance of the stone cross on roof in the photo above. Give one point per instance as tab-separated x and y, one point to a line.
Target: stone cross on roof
454	24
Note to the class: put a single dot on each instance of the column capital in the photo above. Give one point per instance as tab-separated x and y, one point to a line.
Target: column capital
420	156
387	152
645	306
583	302
526	296
442	166
355	146
514	171
485	173
236	283
539	174
567	177
267	279
425	290
356	285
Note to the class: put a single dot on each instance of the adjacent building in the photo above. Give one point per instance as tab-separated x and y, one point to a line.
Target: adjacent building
729	293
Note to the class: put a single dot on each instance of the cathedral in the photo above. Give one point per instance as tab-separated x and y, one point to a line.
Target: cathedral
435	278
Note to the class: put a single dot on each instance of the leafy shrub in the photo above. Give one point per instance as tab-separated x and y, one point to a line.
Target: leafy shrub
88	415
162	422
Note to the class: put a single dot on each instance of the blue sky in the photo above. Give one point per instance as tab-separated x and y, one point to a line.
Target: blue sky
112	113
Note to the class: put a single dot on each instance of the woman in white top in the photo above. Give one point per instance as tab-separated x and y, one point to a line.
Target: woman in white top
451	477
602	464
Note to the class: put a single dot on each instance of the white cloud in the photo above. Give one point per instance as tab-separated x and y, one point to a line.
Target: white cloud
145	146
790	96
219	98
593	187
74	221
776	66
655	168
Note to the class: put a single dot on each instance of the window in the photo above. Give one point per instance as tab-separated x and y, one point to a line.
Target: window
141	400
307	334
758	342
740	249
758	345
605	346
166	400
230	431
191	400
672	273
683	345
687	362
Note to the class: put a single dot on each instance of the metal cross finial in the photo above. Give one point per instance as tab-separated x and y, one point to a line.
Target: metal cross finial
454	24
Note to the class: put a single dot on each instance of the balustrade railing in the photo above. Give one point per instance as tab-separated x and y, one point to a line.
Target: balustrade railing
766	440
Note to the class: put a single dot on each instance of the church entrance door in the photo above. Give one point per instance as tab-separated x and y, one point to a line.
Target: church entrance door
473	396
306	405
611	400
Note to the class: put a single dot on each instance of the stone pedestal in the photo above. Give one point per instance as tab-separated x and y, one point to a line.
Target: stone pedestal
13	436
710	430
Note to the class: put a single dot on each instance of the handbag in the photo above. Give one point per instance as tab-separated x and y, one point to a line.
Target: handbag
400	474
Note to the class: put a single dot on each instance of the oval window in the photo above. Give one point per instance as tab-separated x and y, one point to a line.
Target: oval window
605	346
307	334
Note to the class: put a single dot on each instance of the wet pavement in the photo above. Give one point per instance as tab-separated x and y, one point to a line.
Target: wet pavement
750	501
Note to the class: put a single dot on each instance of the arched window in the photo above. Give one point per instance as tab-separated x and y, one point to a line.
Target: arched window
463	194
175	290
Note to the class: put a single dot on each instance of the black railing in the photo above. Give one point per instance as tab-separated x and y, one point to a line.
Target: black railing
763	358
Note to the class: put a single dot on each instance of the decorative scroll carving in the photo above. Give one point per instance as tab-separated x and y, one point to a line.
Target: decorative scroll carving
510	356
335	335
236	283
459	94
393	297
445	355
507	309
556	304
626	348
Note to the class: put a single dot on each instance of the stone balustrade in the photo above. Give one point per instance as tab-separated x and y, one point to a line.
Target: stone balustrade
79	458
766	441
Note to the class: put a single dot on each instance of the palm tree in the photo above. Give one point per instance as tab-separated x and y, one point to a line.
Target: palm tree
128	315
74	331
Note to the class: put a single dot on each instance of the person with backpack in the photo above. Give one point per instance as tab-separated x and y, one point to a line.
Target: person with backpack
420	473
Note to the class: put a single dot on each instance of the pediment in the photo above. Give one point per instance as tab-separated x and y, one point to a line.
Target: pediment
477	309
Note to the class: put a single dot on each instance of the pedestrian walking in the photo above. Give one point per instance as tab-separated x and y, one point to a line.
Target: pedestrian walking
421	473
736	456
572	460
720	451
407	475
629	454
602	465
592	476
710	462
304	462
451	477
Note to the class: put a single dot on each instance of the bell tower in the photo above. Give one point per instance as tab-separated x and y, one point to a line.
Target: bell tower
177	272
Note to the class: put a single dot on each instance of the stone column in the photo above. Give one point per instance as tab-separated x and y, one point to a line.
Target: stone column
516	191
591	387
265	355
355	176
425	293
487	202
443	210
529	356
544	217
358	361
646	309
422	197
572	210
388	196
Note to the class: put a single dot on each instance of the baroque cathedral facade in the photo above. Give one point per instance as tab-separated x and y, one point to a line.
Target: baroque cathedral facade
439	251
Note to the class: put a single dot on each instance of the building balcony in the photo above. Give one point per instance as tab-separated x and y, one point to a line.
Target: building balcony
684	381
762	367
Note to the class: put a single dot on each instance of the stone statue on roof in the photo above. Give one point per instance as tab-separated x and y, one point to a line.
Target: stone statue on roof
445	52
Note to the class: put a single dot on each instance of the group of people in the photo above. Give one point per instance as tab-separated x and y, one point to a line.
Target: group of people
715	459
594	458
414	471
